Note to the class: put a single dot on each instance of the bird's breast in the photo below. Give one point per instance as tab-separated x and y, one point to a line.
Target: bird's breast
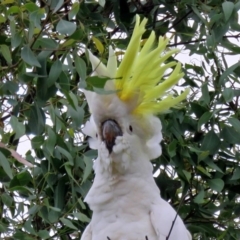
123	222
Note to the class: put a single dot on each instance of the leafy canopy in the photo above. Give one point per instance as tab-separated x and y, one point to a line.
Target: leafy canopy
43	62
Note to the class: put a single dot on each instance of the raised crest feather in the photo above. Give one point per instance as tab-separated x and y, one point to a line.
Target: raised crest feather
140	79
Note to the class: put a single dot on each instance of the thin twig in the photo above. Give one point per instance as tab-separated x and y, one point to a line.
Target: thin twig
170	231
179	20
40	32
17	156
201	40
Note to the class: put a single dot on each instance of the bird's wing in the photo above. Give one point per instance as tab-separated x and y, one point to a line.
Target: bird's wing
162	216
87	234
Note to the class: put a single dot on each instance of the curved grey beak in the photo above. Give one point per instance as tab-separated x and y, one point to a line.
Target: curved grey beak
110	130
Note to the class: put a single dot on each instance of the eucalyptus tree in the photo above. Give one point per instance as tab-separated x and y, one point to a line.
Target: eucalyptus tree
44	63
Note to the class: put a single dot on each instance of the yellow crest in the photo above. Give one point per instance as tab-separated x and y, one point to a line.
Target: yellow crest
140	75
141	71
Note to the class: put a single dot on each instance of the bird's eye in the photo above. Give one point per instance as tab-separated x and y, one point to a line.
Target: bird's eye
130	128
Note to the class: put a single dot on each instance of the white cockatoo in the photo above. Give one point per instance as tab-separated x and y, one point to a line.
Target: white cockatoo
124	198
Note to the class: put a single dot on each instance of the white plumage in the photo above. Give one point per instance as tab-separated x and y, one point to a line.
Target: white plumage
124	198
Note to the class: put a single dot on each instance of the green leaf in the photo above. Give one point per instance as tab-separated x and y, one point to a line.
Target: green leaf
13	10
29	227
7	199
16	40
44	213
69	169
33	210
66	154
211	142
76	115
66	27
12	26
18	127
211	42
47	43
88	168
229	71
43	92
22	235
216	184
187	175
200	197
74	10
228	8
5	51
205	94
198	109
35	19
58	6
204	119
204	171
10	88
6	166
102	3
213	165
43	234
37	142
53	216
203	155
36	120
228	94
54	73
55	209
172	148
51	140
235	123
68	223
196	11
2	19
3	2
21	179
29	57
72	99
98	44
82	217
236	174
31	7
59	193
96	82
230	135
81	68
64	82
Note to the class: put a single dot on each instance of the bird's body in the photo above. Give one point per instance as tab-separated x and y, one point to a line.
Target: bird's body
124	198
132	212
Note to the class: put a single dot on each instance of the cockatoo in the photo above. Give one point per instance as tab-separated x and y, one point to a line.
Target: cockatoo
124	198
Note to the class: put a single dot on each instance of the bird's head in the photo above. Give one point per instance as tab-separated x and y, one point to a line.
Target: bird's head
138	89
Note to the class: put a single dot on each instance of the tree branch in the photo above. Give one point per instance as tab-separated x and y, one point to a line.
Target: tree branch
170	231
17	156
179	20
201	40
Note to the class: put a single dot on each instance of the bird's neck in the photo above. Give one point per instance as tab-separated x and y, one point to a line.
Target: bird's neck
118	173
109	184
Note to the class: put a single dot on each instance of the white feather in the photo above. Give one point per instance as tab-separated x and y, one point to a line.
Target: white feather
124	198
90	130
98	67
112	63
